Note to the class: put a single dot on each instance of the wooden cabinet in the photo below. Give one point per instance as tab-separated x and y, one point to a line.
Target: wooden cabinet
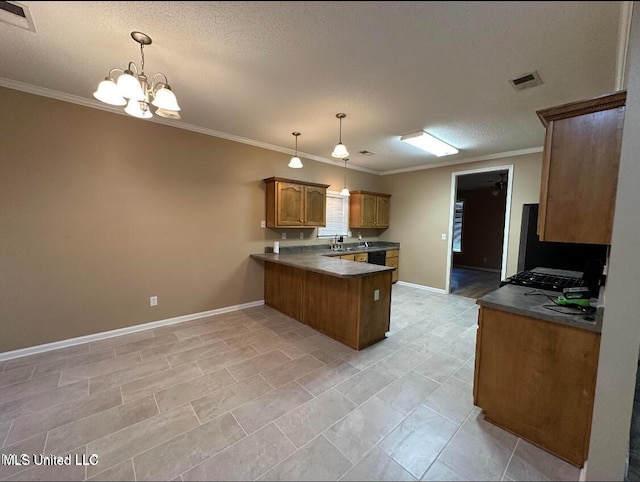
295	204
580	169
537	380
361	257
369	210
344	309
393	259
348	257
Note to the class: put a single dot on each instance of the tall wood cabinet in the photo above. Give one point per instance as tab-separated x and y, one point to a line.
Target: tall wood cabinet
580	169
295	204
369	209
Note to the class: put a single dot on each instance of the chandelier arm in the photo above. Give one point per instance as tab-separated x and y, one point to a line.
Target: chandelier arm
158	85
115	70
133	68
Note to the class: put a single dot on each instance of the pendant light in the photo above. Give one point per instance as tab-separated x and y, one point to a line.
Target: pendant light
340	151
295	161
345	192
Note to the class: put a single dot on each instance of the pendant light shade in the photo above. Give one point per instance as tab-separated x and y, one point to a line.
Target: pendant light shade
340	151
295	161
345	192
108	93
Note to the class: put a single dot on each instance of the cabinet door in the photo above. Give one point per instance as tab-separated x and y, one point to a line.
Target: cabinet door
537	379
382	212
361	257
393	259
368	213
580	170
315	206
289	200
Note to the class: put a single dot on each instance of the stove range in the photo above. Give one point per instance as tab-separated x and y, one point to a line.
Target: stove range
544	280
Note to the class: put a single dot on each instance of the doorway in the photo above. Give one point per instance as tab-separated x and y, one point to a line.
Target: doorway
478	230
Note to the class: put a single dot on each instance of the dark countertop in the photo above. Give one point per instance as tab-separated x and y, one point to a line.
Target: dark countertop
324	263
512	298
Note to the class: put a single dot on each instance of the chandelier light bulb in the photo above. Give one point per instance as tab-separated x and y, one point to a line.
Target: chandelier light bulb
139	109
108	93
129	87
165	99
168	114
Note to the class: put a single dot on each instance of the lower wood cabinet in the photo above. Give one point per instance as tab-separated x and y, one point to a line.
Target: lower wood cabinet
537	380
393	259
345	309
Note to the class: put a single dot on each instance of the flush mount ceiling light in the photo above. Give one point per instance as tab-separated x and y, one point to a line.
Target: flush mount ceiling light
133	89
340	151
345	191
295	161
428	143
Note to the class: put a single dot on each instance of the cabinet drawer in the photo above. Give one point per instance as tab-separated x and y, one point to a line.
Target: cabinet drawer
362	257
393	253
348	257
392	262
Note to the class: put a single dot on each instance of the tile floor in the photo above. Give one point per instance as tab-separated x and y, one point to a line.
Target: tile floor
254	395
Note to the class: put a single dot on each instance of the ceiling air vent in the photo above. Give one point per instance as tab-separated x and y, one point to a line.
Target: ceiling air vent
366	153
17	14
526	81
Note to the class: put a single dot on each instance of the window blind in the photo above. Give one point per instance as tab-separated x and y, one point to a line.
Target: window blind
337	216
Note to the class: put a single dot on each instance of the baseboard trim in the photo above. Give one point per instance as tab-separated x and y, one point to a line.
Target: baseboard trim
422	287
32	350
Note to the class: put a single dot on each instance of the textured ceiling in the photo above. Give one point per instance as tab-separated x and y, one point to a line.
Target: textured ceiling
257	71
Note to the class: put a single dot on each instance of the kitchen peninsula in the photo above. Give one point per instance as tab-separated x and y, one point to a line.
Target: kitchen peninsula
346	300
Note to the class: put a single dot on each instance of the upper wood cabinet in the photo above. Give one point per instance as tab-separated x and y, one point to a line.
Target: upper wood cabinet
369	210
580	169
295	204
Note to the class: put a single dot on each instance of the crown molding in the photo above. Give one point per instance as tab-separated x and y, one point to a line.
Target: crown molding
499	155
86	102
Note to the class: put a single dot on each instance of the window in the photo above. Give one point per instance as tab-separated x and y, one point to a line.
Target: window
457	227
337	216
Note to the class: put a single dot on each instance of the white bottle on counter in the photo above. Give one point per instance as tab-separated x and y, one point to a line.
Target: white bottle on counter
276	247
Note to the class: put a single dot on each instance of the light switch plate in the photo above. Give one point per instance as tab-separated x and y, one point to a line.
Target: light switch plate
376	295
444	236
263	224
284	235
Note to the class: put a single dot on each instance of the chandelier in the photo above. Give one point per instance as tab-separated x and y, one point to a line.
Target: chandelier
133	89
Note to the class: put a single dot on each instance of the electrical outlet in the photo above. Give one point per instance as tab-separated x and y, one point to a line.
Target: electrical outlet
153	301
263	224
301	235
444	236
284	235
376	295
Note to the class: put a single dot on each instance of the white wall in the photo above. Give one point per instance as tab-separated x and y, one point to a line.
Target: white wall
621	327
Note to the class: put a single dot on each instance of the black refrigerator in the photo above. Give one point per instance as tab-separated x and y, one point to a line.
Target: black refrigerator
586	258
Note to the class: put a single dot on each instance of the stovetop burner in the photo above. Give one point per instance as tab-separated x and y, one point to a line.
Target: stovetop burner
543	281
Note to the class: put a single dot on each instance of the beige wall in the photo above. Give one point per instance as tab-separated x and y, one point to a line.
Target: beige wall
100	211
420	210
